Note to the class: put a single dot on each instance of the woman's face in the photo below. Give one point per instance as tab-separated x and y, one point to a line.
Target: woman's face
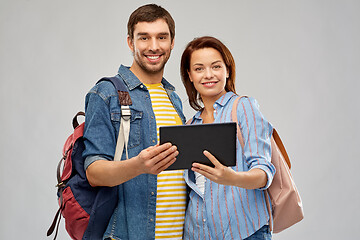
208	73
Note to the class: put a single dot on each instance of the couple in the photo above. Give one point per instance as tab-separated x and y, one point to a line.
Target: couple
222	202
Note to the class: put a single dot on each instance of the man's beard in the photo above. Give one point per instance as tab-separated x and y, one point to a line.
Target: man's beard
148	67
151	69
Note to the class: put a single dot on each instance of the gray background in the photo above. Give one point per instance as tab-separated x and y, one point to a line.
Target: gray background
299	59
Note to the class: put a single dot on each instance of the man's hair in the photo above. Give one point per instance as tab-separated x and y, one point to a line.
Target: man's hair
150	13
201	43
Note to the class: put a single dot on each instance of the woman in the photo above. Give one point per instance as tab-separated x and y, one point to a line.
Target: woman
225	203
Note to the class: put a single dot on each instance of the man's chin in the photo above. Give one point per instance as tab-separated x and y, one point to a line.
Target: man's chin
153	69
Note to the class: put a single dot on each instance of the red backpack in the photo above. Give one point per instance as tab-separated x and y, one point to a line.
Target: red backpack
86	209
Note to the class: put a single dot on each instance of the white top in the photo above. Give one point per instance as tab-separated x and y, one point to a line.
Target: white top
200	182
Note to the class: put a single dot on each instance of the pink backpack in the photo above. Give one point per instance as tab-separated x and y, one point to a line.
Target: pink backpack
286	203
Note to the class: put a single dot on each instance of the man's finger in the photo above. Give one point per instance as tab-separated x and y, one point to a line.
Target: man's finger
157	149
165	162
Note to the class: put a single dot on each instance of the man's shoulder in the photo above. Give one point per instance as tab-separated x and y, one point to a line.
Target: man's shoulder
103	88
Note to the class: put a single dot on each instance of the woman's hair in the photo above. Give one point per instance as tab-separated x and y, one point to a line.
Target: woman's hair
200	43
150	13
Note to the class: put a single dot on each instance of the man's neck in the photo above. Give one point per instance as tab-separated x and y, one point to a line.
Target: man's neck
146	77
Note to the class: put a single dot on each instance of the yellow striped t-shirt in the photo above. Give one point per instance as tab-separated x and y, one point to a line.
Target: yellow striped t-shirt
171	187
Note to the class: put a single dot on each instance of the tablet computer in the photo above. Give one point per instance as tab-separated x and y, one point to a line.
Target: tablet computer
191	140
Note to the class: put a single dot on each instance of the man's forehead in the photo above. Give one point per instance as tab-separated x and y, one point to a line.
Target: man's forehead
157	27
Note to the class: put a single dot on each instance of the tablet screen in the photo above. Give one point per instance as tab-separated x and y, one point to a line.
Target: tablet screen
191	140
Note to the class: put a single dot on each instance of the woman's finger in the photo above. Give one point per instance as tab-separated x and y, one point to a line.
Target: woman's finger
213	159
203	172
203	167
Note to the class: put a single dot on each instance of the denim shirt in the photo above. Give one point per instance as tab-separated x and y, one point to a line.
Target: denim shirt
134	217
229	212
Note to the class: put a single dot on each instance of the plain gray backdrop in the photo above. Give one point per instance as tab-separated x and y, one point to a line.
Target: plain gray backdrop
299	59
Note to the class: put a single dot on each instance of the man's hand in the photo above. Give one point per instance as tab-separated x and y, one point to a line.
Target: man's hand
155	159
151	160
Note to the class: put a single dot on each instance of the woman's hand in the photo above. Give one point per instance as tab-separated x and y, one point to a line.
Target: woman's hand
219	174
252	179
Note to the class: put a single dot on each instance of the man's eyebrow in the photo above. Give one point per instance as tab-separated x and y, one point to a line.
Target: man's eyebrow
142	33
146	33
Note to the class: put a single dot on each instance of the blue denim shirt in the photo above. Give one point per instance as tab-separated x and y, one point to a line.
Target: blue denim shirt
134	217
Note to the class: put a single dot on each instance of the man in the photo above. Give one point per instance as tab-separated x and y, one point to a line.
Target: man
151	202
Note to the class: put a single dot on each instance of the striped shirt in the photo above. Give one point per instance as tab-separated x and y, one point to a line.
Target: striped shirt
171	187
229	212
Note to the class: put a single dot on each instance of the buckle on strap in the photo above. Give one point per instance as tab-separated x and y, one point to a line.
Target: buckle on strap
125	112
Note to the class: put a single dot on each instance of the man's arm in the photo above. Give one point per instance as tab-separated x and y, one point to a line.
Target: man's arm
151	160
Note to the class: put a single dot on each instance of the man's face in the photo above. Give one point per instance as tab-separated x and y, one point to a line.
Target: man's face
151	45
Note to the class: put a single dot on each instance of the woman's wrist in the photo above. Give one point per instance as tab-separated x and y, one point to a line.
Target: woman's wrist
252	179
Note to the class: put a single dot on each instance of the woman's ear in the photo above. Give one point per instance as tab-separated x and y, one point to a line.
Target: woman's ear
189	76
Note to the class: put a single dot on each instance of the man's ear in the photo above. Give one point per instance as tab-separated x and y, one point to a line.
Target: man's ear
130	43
172	44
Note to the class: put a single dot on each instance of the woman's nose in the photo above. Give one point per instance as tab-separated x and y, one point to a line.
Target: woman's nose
208	73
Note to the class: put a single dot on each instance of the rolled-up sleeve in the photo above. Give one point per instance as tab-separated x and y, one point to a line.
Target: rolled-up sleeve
256	132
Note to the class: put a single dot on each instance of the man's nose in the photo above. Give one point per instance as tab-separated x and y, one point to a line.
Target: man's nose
154	45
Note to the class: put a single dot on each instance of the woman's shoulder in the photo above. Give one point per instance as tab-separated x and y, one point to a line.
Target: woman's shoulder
245	102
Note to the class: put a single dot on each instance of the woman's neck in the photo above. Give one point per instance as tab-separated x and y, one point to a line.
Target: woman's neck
207	113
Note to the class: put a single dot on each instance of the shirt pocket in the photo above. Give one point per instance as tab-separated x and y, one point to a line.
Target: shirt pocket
135	126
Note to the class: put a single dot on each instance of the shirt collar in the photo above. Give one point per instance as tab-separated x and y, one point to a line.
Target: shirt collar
133	82
224	99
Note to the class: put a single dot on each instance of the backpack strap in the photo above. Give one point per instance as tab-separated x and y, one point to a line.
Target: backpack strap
235	119
125	102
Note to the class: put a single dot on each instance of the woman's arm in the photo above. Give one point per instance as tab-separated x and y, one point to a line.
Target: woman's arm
252	179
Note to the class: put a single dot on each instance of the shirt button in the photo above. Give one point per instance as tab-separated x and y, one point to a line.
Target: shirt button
153	141
142	86
204	220
152	193
151	220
